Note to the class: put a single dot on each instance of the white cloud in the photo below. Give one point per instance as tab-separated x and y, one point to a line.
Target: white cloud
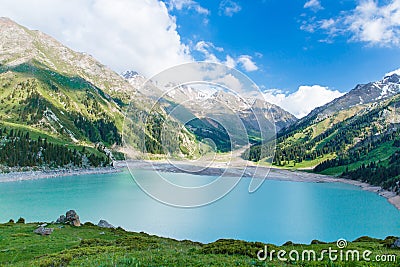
122	34
375	24
247	63
327	23
314	5
369	22
230	62
209	51
206	49
229	8
308	26
393	72
231	82
303	101
189	4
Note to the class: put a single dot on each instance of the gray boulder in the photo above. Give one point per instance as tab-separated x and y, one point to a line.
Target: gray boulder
61	219
43	230
105	224
71	217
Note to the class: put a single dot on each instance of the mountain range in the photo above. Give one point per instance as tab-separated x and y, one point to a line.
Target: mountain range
69	98
356	136
206	111
61	108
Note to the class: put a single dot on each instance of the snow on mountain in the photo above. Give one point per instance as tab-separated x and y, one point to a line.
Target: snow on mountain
203	99
362	94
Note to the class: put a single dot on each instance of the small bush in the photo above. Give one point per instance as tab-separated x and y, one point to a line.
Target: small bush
95	242
20	235
21	220
138	242
367	239
288	243
317	242
389	241
53	260
234	247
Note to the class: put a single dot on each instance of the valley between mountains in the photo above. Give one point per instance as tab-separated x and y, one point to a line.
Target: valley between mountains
60	109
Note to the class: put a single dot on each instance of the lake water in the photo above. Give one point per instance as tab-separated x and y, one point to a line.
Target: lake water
279	211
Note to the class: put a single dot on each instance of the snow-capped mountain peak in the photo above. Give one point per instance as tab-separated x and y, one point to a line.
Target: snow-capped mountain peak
392	72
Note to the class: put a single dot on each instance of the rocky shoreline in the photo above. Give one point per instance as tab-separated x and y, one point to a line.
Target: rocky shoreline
43	174
198	168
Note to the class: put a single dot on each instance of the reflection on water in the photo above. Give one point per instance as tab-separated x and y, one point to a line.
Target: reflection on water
279	211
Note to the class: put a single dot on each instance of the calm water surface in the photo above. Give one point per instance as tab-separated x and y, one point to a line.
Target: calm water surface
279	211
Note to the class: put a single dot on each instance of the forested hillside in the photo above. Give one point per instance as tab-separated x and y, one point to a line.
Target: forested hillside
18	149
354	141
71	100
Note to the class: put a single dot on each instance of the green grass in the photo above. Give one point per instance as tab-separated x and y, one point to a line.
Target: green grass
307	164
93	246
381	153
63	95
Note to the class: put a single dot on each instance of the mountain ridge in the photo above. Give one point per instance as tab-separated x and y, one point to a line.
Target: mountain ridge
347	137
360	94
184	94
68	96
20	45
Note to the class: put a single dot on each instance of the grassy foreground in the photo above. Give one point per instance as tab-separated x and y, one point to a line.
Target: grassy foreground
90	245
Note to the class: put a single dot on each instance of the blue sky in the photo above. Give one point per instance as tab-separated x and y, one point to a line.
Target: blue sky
317	46
303	53
291	56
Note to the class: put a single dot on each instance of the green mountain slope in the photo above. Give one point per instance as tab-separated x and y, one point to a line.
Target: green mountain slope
19	45
357	141
68	108
66	112
69	98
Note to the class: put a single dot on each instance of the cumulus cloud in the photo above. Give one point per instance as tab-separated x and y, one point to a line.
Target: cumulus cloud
231	82
230	62
122	34
228	8
393	72
209	50
247	63
303	101
375	24
189	4
314	5
368	22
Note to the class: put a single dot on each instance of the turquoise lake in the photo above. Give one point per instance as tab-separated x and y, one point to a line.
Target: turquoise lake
278	212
